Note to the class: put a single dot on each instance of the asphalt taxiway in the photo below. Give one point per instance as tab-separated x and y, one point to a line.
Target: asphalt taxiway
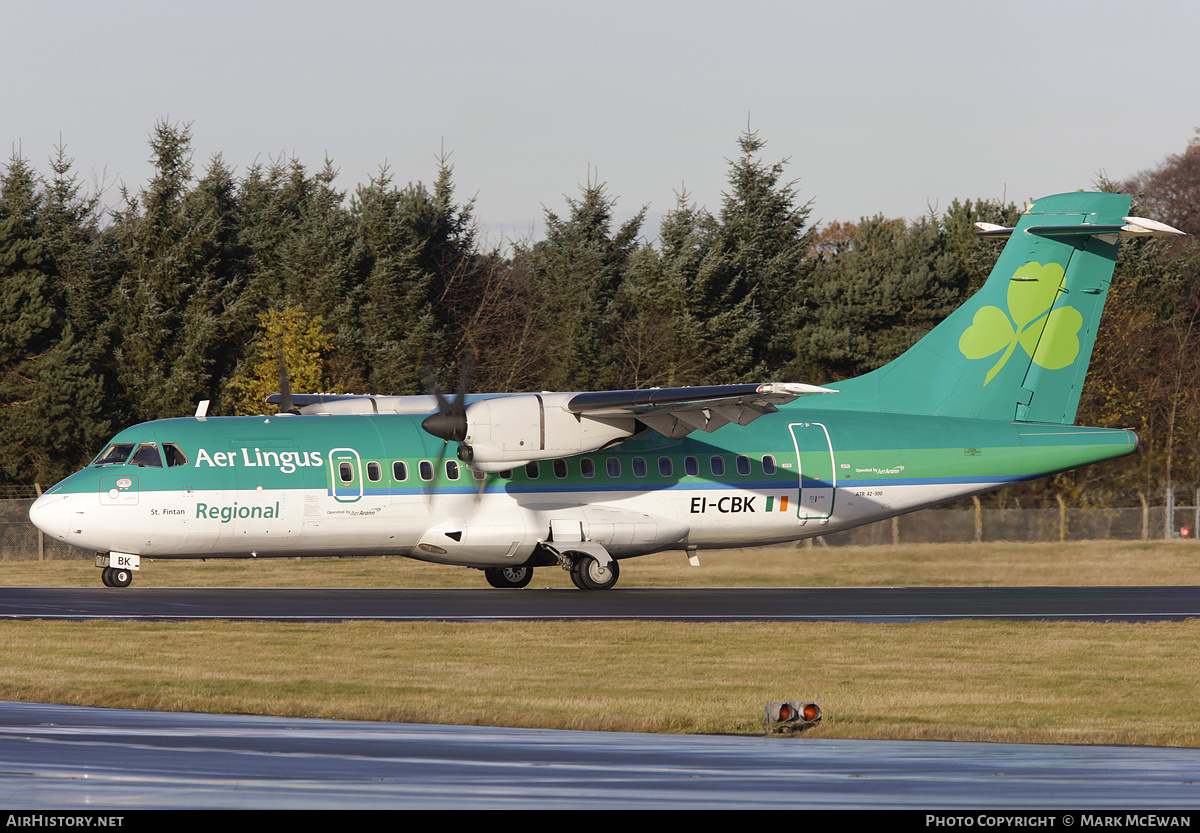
870	604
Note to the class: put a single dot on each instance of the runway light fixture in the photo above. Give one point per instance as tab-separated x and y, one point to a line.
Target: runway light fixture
791	715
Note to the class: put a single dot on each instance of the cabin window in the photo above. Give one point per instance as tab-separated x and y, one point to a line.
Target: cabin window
346	472
664	466
399	471
426	470
174	456
560	468
768	464
532	470
743	465
147	455
506	474
587	467
115	454
374	472
478	475
691	466
613	465
639	467
717	466
452	471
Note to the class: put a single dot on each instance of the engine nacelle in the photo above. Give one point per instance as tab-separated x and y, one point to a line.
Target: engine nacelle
510	431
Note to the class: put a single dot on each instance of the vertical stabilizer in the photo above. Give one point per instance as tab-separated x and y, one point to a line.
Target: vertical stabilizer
1019	348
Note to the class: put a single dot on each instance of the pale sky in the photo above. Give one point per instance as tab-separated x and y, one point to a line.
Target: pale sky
881	107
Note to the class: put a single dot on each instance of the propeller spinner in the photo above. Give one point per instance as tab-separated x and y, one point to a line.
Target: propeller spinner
449	422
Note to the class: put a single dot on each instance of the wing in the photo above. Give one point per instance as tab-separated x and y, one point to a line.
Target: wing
676	412
504	431
354	403
510	431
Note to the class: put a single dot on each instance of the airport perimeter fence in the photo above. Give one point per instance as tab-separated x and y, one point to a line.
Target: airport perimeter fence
20	540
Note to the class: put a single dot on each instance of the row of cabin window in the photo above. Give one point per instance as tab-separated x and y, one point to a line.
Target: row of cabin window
587	468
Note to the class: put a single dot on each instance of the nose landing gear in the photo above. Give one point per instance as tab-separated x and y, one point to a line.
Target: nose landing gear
116	577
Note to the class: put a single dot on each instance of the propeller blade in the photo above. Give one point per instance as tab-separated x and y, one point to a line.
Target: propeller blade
449	422
438	470
286	404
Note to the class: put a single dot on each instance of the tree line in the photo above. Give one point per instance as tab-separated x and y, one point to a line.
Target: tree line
201	280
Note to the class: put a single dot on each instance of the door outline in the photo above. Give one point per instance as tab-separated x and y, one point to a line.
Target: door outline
345	492
815	502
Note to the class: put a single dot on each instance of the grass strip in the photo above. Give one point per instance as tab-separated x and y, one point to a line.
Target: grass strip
931	565
965	681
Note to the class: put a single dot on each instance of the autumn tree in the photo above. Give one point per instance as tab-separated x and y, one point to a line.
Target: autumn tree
1170	193
287	341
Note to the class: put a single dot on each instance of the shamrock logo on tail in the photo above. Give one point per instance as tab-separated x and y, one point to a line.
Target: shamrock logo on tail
1031	294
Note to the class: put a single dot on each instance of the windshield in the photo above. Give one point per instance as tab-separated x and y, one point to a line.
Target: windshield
115	454
147	455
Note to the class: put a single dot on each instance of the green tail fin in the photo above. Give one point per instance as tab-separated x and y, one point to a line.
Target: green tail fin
1019	348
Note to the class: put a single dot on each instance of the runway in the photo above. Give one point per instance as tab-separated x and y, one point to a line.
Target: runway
68	758
872	604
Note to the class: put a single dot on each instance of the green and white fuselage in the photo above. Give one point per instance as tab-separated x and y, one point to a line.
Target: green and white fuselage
985	400
287	485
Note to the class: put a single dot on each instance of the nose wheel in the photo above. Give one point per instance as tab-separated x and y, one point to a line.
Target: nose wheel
116	577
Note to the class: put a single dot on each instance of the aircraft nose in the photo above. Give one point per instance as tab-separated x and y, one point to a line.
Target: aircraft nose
49	513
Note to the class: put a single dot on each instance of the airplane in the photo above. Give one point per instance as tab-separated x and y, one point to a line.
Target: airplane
585	480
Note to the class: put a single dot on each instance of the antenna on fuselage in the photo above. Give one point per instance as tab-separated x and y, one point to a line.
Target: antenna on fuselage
202	409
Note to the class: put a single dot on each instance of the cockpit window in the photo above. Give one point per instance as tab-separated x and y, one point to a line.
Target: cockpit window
115	454
174	456
147	455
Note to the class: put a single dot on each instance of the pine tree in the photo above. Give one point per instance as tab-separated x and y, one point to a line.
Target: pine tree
576	273
50	402
889	283
176	316
756	267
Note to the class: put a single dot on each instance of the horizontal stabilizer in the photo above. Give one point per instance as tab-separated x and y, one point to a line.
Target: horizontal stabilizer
1133	227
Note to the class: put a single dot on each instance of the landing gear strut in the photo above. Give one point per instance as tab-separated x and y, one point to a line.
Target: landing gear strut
508	578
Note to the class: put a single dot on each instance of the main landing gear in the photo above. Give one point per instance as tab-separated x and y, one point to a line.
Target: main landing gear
508	578
116	577
589	574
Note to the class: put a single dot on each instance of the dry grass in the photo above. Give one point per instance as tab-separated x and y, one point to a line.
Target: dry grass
1071	683
991	564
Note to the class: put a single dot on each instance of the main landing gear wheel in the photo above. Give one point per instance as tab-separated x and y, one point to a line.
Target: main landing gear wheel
589	574
508	578
115	577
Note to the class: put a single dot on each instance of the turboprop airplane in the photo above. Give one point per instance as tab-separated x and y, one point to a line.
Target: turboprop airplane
584	480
